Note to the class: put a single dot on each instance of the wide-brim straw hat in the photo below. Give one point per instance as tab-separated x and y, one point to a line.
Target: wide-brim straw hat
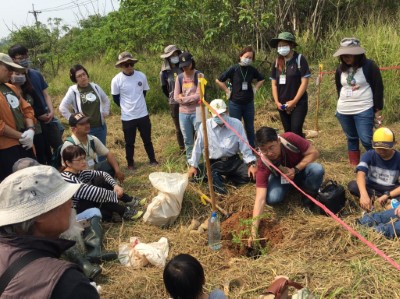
349	46
125	57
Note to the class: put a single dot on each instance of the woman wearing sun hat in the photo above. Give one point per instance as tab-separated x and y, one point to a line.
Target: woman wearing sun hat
360	90
289	80
169	71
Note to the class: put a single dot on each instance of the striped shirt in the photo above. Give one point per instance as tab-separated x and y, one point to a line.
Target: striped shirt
90	192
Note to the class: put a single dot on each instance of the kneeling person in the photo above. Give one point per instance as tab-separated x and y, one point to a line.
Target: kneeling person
225	147
292	154
378	172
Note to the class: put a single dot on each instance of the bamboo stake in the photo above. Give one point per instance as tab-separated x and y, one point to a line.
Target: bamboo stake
202	83
318	96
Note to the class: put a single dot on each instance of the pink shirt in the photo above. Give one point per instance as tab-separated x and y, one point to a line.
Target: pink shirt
190	92
292	158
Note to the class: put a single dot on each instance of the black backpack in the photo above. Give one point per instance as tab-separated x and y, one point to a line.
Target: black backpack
332	195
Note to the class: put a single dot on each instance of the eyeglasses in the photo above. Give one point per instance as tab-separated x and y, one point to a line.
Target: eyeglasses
346	42
128	64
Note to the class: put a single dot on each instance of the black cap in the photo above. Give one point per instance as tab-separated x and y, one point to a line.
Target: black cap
185	59
78	118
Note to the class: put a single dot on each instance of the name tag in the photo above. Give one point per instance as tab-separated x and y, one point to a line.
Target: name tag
90	163
284	181
245	86
282	79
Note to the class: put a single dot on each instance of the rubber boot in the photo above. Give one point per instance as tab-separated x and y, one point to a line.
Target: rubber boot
354	157
74	255
93	239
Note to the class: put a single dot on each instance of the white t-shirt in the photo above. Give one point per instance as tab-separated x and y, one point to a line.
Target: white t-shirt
130	88
355	97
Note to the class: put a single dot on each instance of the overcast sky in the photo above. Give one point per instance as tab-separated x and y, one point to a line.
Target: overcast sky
15	13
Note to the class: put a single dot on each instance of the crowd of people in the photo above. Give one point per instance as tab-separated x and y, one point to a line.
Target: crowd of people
33	193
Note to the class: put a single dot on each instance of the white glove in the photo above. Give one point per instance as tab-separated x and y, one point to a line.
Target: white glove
27	139
228	94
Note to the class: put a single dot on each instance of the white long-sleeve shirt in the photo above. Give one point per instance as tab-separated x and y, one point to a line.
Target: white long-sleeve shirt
222	142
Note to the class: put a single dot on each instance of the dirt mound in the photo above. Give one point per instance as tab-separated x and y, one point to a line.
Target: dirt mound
236	230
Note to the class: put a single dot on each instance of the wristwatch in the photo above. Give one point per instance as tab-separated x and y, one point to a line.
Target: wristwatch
387	193
296	170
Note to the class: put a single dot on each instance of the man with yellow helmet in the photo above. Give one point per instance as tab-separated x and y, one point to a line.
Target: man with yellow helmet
378	172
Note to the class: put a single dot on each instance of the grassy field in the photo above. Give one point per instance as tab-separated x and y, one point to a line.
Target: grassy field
311	249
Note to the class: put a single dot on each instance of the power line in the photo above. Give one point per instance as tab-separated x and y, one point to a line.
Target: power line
69	5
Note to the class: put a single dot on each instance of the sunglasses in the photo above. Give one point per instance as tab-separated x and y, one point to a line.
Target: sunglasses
349	42
128	64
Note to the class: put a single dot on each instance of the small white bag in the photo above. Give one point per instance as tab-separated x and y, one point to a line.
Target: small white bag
166	206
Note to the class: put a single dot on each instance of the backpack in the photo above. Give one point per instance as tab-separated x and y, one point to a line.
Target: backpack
56	157
332	195
196	79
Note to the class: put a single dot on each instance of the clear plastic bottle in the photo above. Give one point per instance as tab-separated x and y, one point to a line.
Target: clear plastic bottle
214	232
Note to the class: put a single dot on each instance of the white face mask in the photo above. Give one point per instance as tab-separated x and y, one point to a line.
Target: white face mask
174	59
285	50
18	79
246	61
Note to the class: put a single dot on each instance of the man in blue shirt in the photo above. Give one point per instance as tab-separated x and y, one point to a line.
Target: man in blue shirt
224	146
378	172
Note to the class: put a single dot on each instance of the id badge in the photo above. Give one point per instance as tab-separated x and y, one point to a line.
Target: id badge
284	181
282	79
349	93
90	163
245	86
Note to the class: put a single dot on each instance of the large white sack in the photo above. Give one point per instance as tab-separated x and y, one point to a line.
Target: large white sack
166	206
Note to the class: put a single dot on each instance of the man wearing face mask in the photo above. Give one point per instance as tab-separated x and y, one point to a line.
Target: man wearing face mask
16	120
242	76
224	148
289	81
25	89
169	72
50	125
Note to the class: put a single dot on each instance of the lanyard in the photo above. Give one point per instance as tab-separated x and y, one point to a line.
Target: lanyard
350	78
244	76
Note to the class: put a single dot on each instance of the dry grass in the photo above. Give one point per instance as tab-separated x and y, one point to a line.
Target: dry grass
316	251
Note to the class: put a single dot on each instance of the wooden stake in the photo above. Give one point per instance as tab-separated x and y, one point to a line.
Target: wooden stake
318	96
202	82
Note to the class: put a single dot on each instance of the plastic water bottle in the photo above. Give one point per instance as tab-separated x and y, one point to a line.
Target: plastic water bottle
214	232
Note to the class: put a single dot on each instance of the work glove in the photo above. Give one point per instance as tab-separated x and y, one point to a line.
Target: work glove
27	139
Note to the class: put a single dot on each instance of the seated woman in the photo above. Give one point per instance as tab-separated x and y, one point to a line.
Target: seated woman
184	279
385	222
91	196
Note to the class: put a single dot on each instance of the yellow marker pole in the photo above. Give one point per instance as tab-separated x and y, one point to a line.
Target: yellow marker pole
202	83
319	80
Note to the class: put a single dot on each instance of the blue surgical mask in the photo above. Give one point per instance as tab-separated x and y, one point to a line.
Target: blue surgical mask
284	51
174	59
24	62
246	61
18	79
218	120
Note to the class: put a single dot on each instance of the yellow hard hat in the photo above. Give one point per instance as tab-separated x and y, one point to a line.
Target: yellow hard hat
383	138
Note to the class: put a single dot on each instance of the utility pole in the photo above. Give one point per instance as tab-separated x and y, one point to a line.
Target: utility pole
35	14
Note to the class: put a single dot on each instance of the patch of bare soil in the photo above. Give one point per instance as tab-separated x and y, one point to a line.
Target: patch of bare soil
236	229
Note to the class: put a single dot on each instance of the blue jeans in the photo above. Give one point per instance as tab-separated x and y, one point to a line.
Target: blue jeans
245	111
358	127
309	179
88	214
188	126
101	133
381	222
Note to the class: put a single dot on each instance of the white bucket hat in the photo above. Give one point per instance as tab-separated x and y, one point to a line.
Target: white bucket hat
31	192
218	105
349	46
